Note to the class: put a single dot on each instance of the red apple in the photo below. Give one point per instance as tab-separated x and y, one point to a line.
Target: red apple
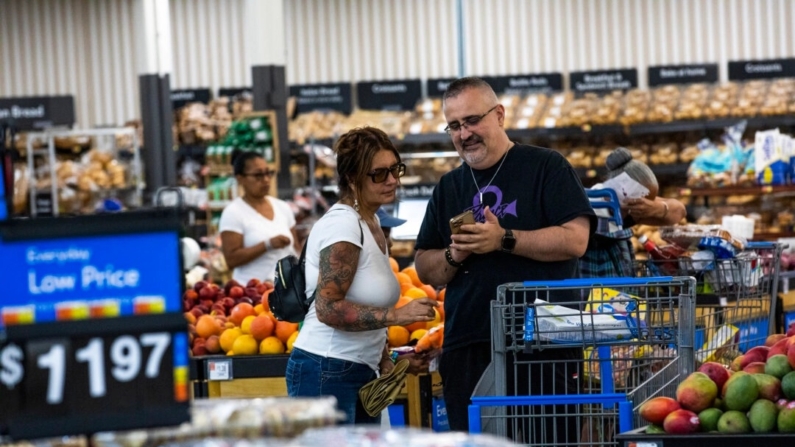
200	350
236	292
229	284
251	292
197	312
187	306
199	285
229	303
207	293
205	309
245	299
261	288
252	282
268	284
207	303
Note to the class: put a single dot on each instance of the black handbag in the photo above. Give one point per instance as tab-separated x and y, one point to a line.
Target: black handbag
288	300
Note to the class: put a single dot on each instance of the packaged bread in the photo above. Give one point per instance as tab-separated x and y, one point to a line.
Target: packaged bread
529	111
663	153
751	98
580	111
636	106
692	102
553	113
580	157
722	100
608	109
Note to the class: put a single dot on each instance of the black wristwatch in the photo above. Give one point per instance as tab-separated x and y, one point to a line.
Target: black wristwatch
508	241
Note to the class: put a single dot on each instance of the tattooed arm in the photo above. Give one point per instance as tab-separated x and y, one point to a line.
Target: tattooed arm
338	264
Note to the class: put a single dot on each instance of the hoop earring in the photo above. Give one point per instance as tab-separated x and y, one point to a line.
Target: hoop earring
356	205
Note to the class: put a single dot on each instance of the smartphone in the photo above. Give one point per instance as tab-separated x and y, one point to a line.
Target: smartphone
465	218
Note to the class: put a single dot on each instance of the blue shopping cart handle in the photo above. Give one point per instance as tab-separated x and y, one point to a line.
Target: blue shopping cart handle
588	282
760	245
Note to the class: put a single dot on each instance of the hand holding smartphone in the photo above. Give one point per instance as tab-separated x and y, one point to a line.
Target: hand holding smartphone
465	218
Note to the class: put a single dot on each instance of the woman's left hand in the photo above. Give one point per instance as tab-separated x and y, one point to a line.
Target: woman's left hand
386	366
643	208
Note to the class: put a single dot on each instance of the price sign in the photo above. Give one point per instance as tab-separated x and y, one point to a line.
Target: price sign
87	376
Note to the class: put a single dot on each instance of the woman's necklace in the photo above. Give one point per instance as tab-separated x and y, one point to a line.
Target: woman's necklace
480	191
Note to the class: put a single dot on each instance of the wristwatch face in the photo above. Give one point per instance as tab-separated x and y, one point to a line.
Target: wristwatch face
508	241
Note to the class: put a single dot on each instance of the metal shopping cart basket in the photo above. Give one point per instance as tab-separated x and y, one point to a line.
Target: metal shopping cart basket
571	372
735	298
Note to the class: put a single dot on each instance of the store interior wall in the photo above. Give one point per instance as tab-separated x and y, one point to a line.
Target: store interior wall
86	47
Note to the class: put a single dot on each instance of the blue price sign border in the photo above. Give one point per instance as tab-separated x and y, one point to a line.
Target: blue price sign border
69	357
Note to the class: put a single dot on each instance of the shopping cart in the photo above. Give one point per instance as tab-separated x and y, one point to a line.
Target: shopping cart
734	309
561	366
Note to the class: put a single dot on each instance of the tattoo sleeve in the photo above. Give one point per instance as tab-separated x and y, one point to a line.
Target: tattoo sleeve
338	264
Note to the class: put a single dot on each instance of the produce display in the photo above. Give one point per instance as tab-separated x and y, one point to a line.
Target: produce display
423	336
755	395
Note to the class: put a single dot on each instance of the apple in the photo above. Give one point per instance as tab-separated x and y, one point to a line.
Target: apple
187	306
207	303
200	350
205	309
236	292
246	299
199	285
228	286
197	312
229	303
251	292
207	293
253	282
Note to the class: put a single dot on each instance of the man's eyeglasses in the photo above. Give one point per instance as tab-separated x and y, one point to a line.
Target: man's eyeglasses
470	121
380	175
259	175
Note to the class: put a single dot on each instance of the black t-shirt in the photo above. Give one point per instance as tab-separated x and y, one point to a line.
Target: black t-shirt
535	188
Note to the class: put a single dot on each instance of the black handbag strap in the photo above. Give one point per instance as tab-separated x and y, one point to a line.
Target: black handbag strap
302	258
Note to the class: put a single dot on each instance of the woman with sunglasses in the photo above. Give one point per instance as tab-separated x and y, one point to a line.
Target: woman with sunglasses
256	230
342	344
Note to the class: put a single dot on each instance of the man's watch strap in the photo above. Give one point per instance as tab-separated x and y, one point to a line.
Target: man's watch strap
508	241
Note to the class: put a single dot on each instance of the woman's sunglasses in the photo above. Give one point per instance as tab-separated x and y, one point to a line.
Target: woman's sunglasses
380	175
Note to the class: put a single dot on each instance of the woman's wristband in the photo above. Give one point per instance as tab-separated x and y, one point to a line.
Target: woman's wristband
449	257
665	213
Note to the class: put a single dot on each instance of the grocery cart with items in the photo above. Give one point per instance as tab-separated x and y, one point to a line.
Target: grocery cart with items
572	371
736	286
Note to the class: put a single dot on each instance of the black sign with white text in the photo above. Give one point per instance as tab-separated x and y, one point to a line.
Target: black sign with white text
181	97
389	95
602	81
437	86
418	191
524	84
233	91
38	112
761	69
682	74
312	97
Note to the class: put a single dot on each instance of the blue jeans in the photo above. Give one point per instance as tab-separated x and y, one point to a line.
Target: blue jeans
310	375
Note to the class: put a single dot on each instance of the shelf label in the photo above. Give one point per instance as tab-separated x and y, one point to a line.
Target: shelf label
389	95
417	191
311	97
179	98
603	81
526	83
234	91
90	277
219	369
74	374
39	112
682	74
437	86
761	69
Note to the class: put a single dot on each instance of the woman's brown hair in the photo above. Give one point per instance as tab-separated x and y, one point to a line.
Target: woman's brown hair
355	152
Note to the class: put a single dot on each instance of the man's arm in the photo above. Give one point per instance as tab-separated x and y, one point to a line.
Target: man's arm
555	243
433	268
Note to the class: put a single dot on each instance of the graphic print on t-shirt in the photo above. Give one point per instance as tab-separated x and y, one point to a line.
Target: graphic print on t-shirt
499	208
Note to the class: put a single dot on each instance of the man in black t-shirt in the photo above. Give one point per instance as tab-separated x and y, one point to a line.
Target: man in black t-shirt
533	223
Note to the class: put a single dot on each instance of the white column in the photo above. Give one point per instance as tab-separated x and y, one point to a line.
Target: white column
265	33
153	30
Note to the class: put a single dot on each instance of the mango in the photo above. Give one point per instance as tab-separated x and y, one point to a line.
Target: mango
734	422
769	387
773	339
786	419
681	422
717	372
755	368
788	385
655	410
762	416
709	419
779	348
777	366
653	429
733	377
741	393
697	392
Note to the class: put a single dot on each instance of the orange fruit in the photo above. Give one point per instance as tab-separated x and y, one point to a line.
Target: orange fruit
259	309
190	317
245	326
213	344
264	301
418	325
228	338
397	336
440	309
440	295
206	326
240	312
405	286
404	278
262	327
429	290
412	273
394	264
284	330
418	334
271	345
291	341
436	320
415	292
245	345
